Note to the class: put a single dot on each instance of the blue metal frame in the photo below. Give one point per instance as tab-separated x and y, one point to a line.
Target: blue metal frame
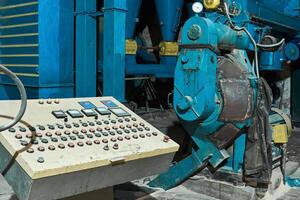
42	55
86	48
114	48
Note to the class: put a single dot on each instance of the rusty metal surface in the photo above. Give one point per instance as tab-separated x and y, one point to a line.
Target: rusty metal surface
225	136
235	89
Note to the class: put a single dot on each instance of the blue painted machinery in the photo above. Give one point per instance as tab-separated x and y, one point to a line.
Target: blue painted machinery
36	42
222	101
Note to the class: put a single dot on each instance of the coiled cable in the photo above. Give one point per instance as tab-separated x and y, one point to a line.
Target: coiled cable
23	95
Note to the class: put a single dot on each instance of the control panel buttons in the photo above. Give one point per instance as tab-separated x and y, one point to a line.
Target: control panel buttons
40	148
59	114
75	113
97	141
89	112
45	141
51	127
71	145
42	128
85	124
119	112
22	129
109	104
87	104
103	111
63	138
12	130
18	136
30	150
76	125
97	134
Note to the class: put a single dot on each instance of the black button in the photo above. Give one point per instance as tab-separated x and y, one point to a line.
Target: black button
127	119
98	123
34	142
140	129
92	124
133	119
51	127
113	121
72	137
12	130
112	133
89	135
126	131
24	143
44	141
76	125
106	122
97	134
63	138
81	136
134	130
31	128
60	126
84	124
42	128
54	139
105	134
68	126
120	120
22	129
147	128
119	132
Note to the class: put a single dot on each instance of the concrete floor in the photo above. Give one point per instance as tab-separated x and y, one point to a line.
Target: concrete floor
198	186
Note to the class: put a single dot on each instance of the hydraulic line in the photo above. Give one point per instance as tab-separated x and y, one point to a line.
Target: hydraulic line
255	45
23	95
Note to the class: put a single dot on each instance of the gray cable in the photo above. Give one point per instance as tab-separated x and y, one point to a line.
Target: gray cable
255	45
249	35
23	95
271	45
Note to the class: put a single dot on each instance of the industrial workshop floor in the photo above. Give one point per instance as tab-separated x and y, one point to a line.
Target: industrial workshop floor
199	186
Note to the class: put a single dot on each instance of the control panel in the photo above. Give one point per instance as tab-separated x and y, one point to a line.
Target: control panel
58	138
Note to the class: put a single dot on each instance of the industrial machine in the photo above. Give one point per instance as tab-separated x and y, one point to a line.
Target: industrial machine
223	103
80	62
224	60
65	147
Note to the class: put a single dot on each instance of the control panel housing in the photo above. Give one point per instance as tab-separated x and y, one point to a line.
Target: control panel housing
78	145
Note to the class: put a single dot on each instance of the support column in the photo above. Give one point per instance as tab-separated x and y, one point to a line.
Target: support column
114	49
86	49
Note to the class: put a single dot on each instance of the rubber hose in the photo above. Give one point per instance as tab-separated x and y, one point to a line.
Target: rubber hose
23	95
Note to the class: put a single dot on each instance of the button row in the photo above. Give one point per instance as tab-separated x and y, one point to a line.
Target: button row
88	142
